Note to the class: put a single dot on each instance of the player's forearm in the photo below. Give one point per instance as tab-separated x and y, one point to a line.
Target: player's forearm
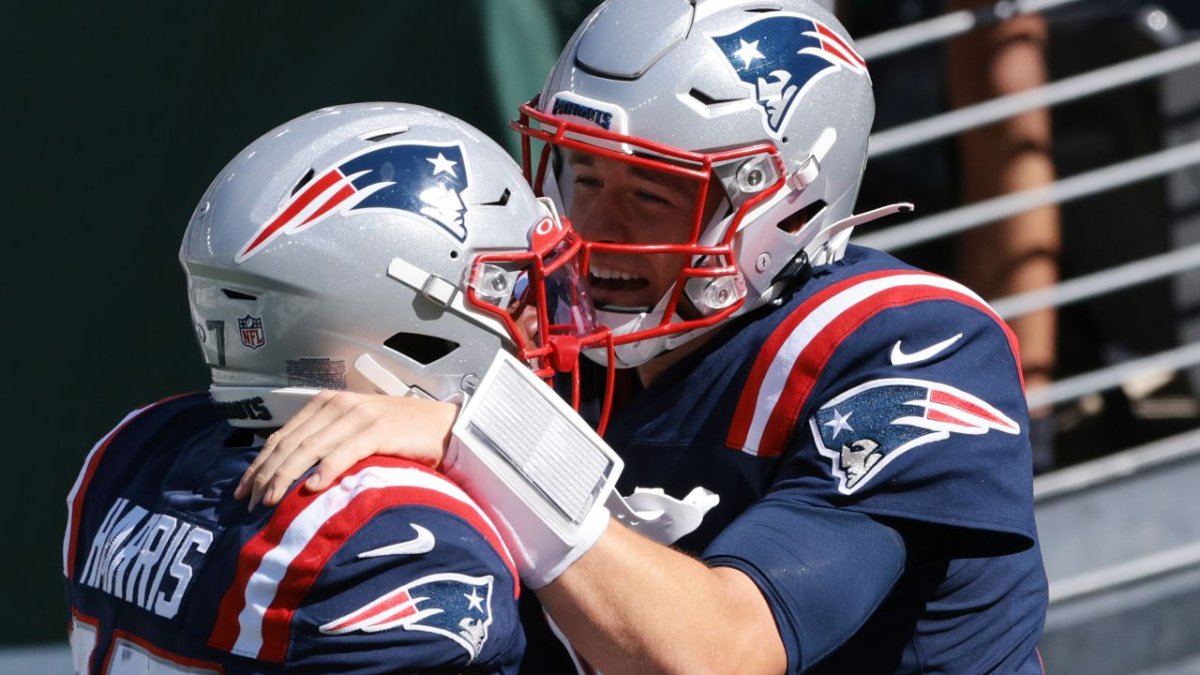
633	606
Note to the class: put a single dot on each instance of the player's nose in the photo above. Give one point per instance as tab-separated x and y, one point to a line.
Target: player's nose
605	220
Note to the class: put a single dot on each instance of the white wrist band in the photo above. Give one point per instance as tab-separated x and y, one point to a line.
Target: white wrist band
535	466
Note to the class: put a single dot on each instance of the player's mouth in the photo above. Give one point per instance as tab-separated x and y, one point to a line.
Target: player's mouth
610	285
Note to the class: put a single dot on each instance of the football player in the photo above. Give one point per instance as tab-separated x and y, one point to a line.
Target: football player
371	248
862	422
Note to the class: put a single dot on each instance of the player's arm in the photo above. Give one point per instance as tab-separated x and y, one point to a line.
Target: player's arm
631	605
781	587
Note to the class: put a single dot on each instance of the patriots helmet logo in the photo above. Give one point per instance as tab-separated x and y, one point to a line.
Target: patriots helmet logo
780	56
454	606
864	429
423	178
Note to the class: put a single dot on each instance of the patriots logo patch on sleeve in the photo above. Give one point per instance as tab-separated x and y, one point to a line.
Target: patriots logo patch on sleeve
455	606
864	429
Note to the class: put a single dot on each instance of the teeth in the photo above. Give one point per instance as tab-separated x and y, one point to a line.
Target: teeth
609	273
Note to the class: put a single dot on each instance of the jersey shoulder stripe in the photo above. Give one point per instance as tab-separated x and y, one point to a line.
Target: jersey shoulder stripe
794	355
278	566
78	492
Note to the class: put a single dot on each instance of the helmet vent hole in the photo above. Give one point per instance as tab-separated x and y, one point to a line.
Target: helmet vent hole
453	255
502	201
796	222
764	7
238	295
708	99
424	349
383	136
303	181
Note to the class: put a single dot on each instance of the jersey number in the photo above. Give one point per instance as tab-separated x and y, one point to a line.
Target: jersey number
128	654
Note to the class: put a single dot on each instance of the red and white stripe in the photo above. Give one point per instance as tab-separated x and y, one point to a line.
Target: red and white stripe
953	411
834	44
307	207
278	566
793	357
76	496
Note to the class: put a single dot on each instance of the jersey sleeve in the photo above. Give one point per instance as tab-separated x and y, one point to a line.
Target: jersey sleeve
902	433
920	414
897	394
393	569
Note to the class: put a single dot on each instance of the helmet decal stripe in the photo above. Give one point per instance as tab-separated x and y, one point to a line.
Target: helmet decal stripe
839	45
289	211
339	197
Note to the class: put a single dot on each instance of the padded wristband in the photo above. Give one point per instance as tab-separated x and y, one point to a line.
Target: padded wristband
535	466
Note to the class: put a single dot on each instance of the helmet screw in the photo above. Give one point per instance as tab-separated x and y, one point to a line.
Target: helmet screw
763	262
470	383
499	283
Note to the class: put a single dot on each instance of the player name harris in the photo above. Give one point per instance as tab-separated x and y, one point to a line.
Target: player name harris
145	558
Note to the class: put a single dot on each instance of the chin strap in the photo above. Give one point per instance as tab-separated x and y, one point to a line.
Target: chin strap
653	513
835	236
834	239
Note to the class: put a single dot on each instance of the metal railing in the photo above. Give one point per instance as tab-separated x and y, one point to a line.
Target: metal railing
1092	182
949	25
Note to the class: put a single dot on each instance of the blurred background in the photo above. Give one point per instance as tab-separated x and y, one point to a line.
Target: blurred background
1051	147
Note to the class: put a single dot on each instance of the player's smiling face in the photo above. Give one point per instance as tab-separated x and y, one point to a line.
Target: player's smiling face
617	202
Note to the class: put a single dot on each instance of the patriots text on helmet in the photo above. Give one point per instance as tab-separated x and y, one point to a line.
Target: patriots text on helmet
600	118
245	409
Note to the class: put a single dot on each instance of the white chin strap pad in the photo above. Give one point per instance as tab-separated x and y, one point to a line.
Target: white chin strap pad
535	467
653	513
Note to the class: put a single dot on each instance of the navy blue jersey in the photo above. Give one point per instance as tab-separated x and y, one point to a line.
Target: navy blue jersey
392	569
869	442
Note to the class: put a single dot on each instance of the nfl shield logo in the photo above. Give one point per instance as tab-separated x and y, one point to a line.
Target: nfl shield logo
251	328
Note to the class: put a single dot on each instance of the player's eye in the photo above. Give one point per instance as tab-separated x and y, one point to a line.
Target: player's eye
588	182
652	198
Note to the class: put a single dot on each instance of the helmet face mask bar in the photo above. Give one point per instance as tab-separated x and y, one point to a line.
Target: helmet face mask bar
766	109
540	297
709	287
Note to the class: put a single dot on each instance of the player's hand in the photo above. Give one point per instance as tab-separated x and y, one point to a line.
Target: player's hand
337	429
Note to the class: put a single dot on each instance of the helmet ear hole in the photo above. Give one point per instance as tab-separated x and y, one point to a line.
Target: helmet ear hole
796	222
424	349
238	295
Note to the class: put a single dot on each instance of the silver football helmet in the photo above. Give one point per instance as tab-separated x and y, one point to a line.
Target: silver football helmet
376	247
765	107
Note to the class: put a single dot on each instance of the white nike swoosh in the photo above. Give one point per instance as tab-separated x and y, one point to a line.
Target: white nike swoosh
899	358
422	543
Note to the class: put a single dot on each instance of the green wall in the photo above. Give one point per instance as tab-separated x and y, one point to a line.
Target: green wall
116	117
